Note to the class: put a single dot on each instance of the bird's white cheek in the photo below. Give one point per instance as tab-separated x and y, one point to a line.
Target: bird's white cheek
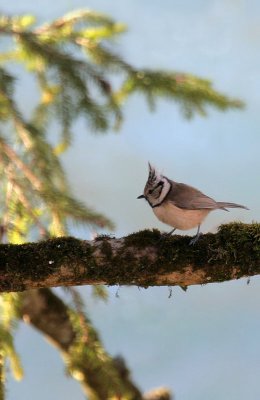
179	218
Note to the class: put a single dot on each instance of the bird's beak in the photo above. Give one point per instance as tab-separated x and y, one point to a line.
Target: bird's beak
141	197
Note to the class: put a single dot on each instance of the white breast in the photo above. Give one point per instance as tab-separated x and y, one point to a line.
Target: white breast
179	218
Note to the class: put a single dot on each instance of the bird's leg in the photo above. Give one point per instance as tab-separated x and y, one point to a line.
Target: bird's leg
165	235
171	232
196	238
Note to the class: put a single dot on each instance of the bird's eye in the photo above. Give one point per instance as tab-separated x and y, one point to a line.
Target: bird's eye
150	191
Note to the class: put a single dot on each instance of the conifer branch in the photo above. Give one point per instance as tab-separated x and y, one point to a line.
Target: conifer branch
14	157
29	208
75	337
79	345
140	259
43	46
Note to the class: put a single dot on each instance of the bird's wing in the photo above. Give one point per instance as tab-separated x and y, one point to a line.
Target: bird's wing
187	197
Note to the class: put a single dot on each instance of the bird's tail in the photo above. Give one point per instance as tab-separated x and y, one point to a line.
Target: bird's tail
224	205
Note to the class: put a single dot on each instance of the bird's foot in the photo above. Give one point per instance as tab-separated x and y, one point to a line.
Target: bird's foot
167	234
195	239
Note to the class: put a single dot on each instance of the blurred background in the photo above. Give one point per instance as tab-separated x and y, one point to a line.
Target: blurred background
203	344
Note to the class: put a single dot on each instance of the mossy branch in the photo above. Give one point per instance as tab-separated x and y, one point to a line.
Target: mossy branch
140	259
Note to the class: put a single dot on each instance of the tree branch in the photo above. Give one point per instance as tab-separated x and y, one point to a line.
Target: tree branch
142	259
100	376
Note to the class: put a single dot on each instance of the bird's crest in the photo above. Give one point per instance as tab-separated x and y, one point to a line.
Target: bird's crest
153	174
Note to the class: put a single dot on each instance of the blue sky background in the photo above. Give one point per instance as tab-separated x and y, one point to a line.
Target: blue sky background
204	344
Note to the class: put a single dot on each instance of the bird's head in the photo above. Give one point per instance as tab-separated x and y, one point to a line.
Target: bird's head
156	187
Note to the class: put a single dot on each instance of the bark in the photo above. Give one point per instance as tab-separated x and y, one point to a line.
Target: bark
142	259
100	376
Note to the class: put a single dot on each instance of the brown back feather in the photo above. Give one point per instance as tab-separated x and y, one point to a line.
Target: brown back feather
190	198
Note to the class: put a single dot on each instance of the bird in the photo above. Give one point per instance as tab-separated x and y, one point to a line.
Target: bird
179	205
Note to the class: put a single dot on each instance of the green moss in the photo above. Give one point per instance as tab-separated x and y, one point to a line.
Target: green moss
235	245
143	238
106	249
36	261
102	237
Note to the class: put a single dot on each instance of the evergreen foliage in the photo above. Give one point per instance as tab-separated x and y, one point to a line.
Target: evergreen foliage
72	62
